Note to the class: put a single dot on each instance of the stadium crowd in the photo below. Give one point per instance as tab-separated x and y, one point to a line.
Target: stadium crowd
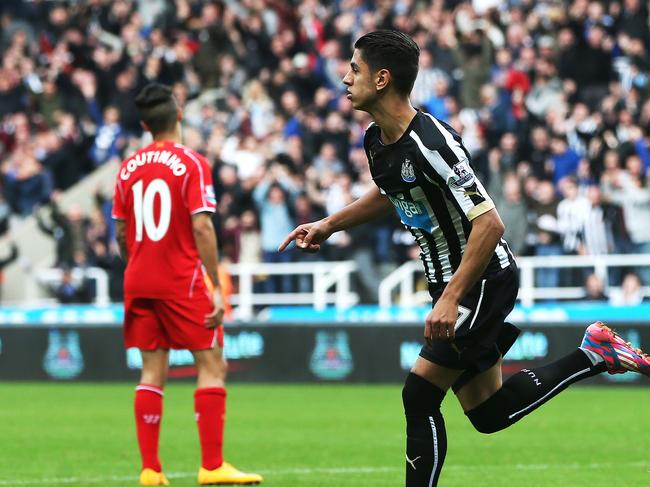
551	98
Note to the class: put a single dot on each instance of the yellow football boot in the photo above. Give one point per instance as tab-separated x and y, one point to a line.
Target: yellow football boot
226	474
150	477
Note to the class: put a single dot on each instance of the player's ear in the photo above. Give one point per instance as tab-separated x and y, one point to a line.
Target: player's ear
382	79
179	114
144	126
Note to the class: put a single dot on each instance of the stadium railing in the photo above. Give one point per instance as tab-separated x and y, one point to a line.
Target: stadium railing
330	282
51	278
324	275
402	279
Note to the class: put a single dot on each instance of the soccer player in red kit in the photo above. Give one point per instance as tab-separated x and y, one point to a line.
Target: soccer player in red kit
163	201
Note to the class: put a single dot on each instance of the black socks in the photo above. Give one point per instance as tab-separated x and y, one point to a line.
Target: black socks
529	389
426	438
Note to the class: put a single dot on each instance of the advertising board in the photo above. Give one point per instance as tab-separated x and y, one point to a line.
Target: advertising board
273	353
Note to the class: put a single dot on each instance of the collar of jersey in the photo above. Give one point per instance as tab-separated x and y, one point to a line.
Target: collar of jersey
404	135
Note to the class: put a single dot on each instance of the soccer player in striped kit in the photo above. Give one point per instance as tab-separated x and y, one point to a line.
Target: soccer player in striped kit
423	172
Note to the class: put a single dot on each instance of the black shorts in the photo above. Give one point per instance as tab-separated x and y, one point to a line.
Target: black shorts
482	336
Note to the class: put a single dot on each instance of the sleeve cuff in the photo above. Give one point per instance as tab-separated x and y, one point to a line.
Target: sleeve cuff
206	209
479	209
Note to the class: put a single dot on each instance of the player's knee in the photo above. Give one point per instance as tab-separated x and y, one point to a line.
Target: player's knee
213	370
153	378
419	396
482	424
154	374
489	416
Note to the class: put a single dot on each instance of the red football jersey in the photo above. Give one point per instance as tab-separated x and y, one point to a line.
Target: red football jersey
158	189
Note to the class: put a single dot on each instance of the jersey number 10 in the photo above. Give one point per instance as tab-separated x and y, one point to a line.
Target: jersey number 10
143	209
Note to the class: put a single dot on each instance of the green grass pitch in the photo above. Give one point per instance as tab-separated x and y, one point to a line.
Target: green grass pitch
319	436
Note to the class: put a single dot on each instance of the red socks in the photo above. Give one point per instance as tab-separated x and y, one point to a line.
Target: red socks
210	408
148	413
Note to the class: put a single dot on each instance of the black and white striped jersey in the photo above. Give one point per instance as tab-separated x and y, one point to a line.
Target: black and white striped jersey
428	177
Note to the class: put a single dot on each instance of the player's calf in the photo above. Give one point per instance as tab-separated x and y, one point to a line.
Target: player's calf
210	410
528	389
426	438
148	409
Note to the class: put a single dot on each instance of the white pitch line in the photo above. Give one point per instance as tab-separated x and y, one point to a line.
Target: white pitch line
180	475
335	471
550	466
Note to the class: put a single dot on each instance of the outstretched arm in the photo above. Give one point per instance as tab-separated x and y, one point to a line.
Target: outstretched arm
371	205
309	236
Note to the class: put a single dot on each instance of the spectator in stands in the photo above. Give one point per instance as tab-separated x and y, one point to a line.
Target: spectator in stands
473	54
572	212
599	223
49	102
68	291
12	93
506	192
632	19
260	106
249	239
629	189
498	121
275	197
327	161
337	194
547	238
428	77
64	150
123	96
539	155
546	93
96	228
337	133
588	64
594	288
508	151
438	104
26	183
109	259
249	246
629	294
230	232
110	138
564	160
67	230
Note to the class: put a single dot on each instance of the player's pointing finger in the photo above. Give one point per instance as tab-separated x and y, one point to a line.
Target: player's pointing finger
288	240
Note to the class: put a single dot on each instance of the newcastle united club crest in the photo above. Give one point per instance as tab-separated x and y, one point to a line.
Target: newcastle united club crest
408	173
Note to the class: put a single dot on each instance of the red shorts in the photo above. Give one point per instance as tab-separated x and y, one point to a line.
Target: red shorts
150	324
